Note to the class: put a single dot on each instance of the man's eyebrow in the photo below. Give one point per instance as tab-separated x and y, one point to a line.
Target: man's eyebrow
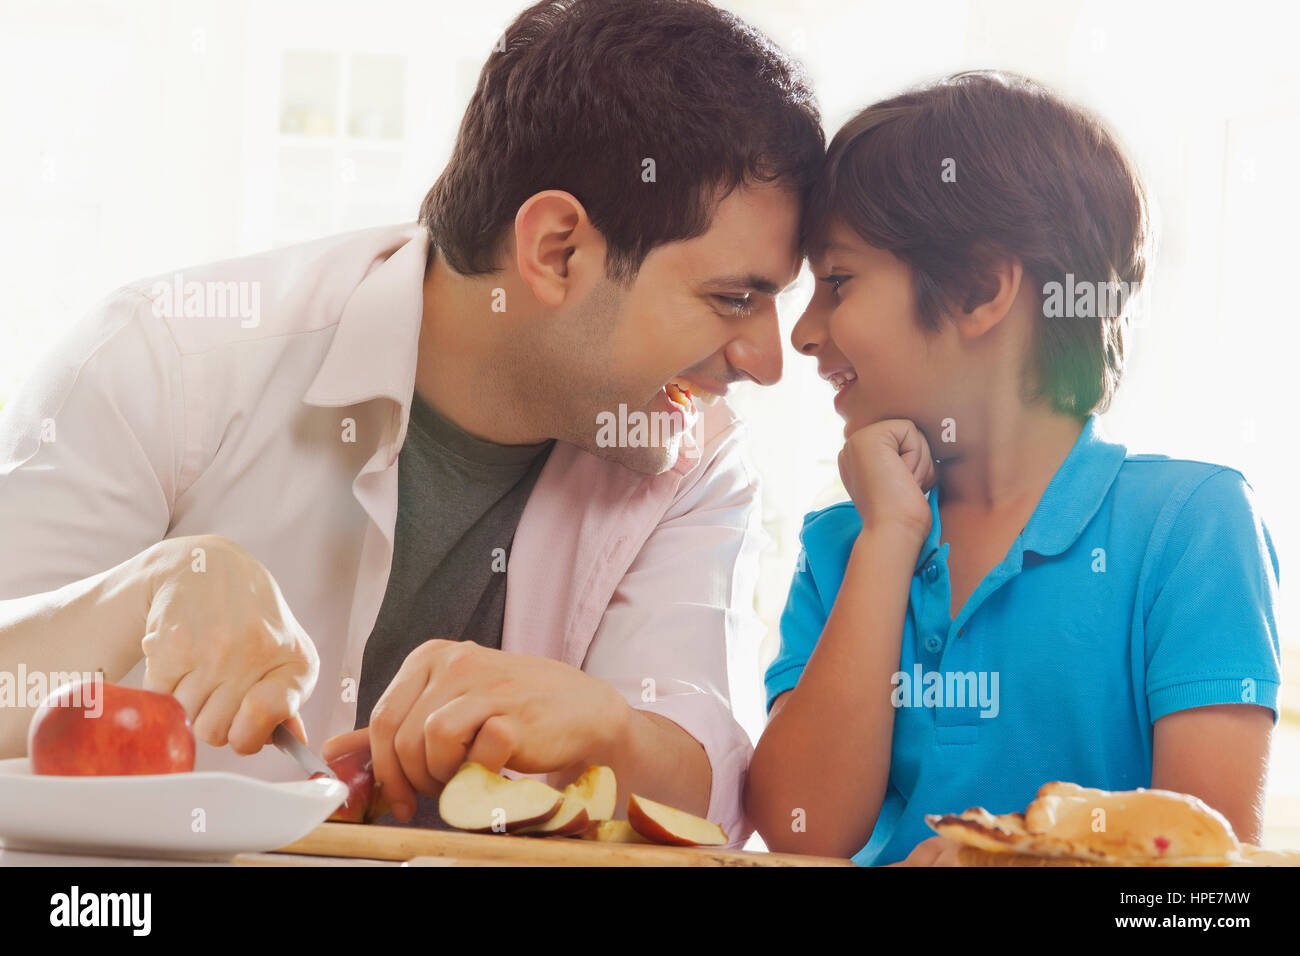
744	283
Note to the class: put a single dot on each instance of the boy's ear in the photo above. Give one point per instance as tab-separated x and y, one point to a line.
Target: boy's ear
995	283
556	247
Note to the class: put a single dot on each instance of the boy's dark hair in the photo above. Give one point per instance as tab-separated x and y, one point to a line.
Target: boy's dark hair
1027	174
580	92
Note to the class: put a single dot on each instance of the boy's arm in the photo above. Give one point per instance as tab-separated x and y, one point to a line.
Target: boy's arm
826	750
1212	650
1219	754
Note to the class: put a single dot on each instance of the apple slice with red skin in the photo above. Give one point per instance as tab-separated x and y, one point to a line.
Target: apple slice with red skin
364	803
591	797
124	731
480	801
571	818
664	824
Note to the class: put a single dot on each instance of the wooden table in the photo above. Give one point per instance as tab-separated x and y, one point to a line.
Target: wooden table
348	843
352	844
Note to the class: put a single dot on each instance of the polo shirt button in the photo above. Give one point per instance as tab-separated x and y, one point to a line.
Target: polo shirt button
934	643
931	572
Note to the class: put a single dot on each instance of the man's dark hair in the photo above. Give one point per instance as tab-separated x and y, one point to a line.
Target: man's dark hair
1030	175
580	93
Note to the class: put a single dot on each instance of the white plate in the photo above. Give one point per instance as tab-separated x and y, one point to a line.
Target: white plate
200	815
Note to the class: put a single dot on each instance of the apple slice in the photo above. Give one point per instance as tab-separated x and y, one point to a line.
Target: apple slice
612	831
664	824
598	790
591	797
364	802
478	800
569	819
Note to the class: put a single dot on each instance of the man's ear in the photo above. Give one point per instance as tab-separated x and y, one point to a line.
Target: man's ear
997	279
556	246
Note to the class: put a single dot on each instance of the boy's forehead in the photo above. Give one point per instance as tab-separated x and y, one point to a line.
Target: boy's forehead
835	239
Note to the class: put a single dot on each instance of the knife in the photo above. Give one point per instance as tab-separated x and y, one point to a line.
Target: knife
283	738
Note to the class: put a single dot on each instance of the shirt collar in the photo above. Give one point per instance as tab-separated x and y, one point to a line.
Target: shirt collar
1072	497
374	350
1075	492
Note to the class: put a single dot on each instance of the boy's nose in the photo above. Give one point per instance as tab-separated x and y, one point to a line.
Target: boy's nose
808	333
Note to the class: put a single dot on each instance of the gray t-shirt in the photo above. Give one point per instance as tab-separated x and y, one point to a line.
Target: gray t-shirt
459	501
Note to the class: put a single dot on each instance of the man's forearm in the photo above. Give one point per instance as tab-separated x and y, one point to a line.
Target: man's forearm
95	624
653	757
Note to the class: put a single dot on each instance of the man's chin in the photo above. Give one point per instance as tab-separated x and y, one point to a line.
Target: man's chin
647	440
645	460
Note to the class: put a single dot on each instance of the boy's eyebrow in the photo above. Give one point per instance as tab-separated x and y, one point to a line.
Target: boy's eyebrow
835	247
746	283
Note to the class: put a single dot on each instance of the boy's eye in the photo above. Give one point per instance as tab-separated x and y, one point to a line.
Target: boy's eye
835	280
738	305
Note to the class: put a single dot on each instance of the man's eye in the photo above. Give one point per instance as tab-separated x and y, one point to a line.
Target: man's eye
736	305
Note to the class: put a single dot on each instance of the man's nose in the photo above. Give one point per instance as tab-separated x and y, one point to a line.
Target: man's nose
758	352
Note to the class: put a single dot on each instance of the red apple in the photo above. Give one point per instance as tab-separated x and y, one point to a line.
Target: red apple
93	728
364	802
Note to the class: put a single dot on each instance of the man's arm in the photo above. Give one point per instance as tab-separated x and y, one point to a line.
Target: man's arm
683	609
86	626
92	455
84	493
90	450
651	700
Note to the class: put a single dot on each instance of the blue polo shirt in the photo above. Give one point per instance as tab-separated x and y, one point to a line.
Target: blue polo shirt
1141	585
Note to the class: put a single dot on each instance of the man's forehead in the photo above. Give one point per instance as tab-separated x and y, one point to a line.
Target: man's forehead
752	244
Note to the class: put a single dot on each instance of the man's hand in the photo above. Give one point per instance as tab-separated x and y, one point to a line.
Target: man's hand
886	468
222	640
936	851
454	701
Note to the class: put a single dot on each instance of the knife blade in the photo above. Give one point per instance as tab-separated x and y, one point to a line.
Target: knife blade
284	739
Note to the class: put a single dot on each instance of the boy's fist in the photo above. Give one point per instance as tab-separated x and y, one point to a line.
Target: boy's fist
886	468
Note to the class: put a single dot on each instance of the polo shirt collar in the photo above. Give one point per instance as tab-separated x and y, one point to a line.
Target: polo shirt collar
1075	492
1070	501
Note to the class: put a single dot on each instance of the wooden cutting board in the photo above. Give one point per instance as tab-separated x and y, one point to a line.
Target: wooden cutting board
367	841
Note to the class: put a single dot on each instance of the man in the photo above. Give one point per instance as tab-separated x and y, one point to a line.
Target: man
413	406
